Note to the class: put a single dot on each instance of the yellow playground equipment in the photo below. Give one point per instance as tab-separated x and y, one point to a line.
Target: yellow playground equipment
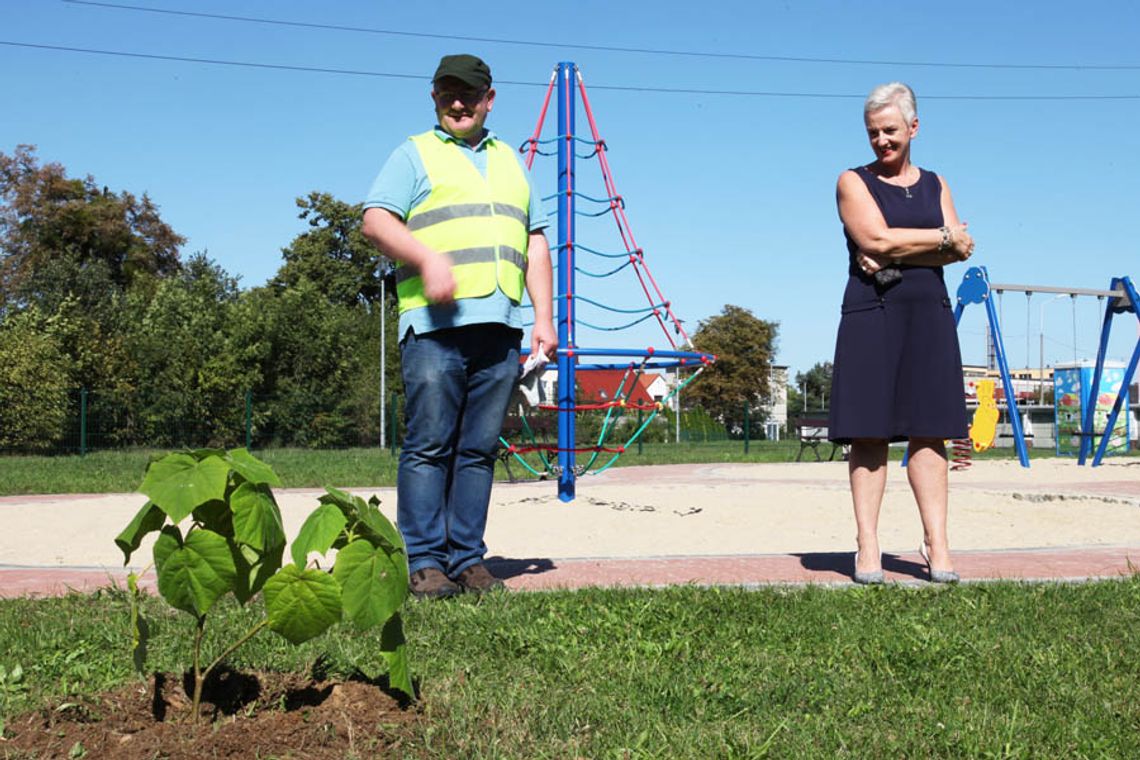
983	429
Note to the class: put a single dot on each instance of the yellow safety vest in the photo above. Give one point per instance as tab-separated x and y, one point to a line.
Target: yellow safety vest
482	223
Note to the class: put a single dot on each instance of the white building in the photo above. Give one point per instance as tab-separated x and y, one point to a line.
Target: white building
777	412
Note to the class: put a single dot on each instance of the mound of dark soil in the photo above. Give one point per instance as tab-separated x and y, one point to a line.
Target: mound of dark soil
243	715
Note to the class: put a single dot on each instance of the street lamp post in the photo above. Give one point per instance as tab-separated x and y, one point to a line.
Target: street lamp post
383	361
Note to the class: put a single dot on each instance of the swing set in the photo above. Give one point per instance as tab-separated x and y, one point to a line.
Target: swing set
1120	297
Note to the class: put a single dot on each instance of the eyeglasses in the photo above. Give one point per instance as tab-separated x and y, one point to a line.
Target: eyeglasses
466	97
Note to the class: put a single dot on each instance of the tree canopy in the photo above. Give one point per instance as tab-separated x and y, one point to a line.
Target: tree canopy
334	263
62	237
94	294
744	345
815	384
34	383
333	254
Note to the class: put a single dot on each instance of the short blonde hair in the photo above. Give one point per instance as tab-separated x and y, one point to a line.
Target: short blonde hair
894	94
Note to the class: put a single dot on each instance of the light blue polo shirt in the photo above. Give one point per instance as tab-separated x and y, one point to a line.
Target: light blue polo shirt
402	184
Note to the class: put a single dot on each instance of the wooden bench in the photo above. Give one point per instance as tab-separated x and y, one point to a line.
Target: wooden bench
812	431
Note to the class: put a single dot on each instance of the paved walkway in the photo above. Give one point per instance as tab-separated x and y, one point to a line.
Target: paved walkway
742	525
1076	564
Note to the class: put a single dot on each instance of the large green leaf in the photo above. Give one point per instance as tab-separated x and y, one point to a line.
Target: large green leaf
381	528
372	586
251	468
381	531
257	520
348	504
216	516
318	533
178	483
253	569
372	521
302	603
193	572
149	519
169	541
394	649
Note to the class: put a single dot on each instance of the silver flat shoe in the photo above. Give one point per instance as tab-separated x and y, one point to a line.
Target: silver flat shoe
873	578
936	576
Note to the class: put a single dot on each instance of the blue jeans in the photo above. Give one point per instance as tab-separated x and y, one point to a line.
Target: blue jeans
458	383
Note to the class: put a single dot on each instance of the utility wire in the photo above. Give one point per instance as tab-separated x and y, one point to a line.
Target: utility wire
618	88
217	61
612	48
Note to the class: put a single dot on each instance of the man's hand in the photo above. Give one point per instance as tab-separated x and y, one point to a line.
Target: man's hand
439	282
390	235
544	338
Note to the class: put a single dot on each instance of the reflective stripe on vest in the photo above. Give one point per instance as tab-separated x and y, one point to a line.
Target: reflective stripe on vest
481	223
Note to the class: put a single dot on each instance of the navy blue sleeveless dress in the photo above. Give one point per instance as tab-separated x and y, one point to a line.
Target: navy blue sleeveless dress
898	368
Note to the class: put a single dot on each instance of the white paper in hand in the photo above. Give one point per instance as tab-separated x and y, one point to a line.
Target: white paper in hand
529	376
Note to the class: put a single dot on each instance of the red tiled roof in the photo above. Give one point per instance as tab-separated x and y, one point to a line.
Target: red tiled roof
603	384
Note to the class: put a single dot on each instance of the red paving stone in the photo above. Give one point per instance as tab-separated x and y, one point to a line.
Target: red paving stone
1065	564
817	568
58	581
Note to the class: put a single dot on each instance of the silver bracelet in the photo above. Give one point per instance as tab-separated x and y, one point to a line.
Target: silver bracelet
942	246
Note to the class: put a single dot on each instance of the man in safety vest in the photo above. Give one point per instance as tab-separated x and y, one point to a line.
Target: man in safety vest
456	211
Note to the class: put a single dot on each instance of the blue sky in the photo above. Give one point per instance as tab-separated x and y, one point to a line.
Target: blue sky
730	195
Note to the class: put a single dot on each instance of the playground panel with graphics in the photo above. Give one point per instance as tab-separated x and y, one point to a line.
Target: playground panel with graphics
1073	392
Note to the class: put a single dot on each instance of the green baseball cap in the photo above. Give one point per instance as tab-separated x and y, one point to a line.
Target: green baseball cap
468	69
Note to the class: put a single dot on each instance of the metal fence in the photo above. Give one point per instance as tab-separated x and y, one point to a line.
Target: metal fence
95	420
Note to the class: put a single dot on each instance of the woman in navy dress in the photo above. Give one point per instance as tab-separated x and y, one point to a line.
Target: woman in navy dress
898	369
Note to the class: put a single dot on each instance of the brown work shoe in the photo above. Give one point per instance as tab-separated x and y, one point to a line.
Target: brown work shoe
477	579
431	583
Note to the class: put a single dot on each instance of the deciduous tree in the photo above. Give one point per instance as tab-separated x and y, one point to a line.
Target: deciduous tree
744	345
816	384
193	369
321	373
34	385
62	237
333	254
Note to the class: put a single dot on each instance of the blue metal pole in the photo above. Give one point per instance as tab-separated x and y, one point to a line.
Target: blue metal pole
1010	394
1133	298
566	337
1088	411
654	354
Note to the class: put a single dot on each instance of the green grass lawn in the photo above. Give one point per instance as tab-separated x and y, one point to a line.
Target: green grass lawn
981	670
122	471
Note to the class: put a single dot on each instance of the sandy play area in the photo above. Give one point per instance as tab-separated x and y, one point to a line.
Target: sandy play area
683	510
